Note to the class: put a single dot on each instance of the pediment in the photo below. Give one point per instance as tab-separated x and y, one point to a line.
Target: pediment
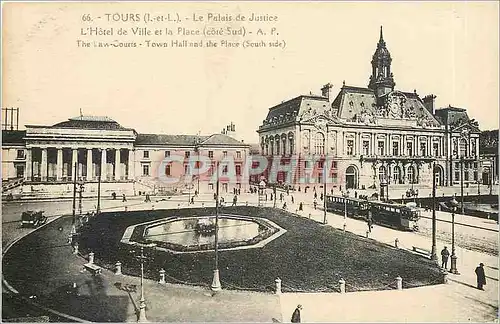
466	128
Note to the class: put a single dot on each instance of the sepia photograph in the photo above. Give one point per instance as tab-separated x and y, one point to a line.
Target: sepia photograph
250	161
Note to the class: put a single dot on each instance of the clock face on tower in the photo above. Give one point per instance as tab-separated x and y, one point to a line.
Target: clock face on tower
395	109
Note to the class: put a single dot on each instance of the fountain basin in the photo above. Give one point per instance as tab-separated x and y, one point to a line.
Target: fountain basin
183	234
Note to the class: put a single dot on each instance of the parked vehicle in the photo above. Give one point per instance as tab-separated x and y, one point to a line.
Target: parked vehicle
33	218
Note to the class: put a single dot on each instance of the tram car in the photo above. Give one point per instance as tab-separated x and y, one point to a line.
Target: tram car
356	208
403	217
33	218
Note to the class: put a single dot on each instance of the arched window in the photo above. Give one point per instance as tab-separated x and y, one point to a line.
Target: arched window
396	176
278	146
283	139
411	174
463	147
319	143
381	173
272	147
351	178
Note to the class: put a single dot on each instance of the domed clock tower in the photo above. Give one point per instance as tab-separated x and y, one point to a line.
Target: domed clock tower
381	80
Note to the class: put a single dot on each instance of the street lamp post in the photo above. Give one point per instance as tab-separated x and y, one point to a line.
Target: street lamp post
99	167
434	248
324	194
274	194
262	186
453	204
345	194
216	281
142	302
142	305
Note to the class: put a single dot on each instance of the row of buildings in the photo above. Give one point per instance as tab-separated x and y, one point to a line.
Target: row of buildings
358	139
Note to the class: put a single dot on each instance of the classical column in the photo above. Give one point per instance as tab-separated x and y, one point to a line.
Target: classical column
74	159
117	164
59	164
131	164
104	169
89	164
29	164
43	171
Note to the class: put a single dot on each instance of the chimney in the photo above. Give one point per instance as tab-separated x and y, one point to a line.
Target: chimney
429	103
325	91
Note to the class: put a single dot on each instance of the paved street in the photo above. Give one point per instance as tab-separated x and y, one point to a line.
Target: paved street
462	301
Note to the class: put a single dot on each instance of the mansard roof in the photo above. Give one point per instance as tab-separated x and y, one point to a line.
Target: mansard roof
163	139
221	139
456	117
288	111
13	137
186	140
90	122
351	102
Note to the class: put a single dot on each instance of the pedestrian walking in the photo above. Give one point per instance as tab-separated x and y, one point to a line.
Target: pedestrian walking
444	257
321	197
481	277
281	196
271	196
235	199
301	206
124	199
315	203
315	195
266	196
192	200
292	200
370	224
284	206
355	194
296	314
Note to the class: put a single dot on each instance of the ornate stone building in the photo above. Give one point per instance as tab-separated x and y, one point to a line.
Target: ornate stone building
369	135
46	159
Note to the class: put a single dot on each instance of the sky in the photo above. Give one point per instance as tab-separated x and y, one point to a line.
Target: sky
449	49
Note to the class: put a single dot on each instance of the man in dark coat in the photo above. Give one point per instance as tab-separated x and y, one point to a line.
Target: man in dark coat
296	314
444	257
481	277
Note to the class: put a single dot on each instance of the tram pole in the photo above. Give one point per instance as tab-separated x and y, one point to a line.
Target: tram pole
74	194
462	185
324	194
434	249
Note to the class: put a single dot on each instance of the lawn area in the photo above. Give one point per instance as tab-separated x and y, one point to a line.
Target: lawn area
309	257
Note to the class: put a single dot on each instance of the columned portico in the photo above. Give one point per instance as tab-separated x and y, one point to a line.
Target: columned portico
74	156
59	167
43	171
130	166
117	165
29	164
89	165
104	164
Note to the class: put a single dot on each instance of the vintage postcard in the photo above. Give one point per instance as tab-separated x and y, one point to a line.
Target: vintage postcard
250	161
